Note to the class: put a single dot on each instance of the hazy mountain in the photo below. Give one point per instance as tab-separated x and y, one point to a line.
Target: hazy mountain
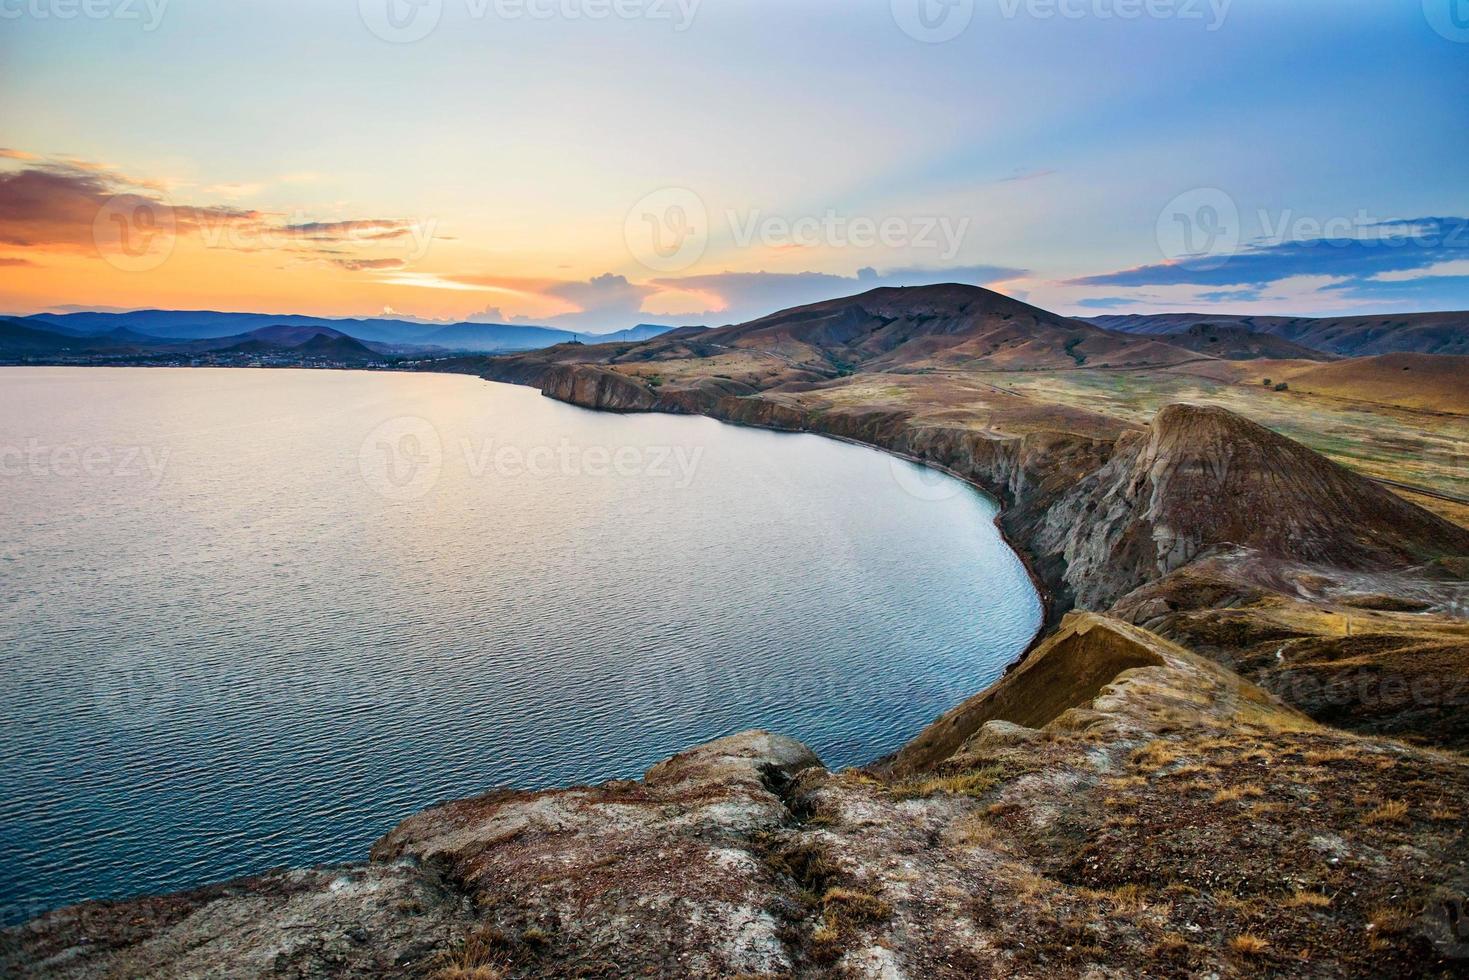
22	338
1352	336
207	324
340	348
1237	343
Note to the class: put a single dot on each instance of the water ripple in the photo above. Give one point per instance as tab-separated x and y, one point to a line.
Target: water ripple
261	659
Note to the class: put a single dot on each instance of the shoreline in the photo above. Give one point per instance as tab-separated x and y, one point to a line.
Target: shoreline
1049	614
1005	663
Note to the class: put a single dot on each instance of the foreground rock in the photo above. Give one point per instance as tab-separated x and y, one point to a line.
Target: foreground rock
1156	815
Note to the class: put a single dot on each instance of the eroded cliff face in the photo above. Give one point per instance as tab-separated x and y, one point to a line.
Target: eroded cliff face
1207	527
599	388
1205	478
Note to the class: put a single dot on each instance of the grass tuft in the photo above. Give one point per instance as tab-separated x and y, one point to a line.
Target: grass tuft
1247	944
1393	811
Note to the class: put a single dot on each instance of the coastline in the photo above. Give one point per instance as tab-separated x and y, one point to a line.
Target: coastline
744	856
974	667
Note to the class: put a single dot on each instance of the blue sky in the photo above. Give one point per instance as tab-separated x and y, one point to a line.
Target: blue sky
508	166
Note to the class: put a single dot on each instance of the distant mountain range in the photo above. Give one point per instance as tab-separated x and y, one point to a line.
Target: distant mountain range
151	326
1349	336
962	328
37	338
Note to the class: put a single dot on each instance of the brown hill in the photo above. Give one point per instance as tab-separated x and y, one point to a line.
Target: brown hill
1236	343
1204	478
1352	336
936	326
1429	382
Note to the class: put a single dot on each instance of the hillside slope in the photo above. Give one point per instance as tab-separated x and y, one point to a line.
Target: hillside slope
1350	336
1429	382
934	326
1203	478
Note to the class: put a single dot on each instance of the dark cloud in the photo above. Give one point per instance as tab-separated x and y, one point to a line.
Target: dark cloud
1106	302
57	205
365	229
62	204
1379	248
8	262
1231	295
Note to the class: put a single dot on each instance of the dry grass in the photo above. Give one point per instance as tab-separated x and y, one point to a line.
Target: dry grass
1307	900
1154	756
482	956
1233	793
1392	920
974	831
847	905
1246	944
843	911
826	944
975	783
1393	812
1172	945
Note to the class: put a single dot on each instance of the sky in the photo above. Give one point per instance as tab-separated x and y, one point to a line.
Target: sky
592	164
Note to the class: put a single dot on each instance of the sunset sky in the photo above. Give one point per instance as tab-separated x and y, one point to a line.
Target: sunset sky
549	161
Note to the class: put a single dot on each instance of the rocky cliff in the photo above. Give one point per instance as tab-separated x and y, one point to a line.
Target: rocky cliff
1119	807
1150	791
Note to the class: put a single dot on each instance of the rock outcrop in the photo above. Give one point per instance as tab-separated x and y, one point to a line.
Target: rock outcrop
1158	816
599	388
1203	478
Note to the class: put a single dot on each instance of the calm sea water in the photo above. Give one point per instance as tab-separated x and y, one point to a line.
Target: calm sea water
255	618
